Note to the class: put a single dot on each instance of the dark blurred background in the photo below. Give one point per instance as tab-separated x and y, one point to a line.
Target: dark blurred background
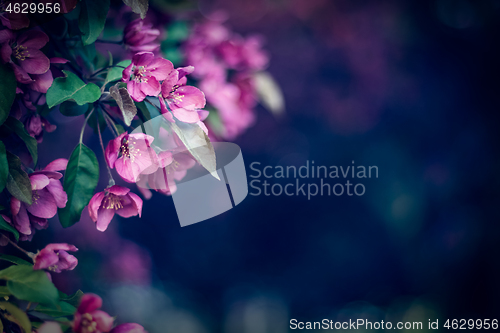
409	86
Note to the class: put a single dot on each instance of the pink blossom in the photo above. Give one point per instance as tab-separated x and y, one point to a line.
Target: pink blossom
131	155
144	73
184	101
35	124
47	196
225	97
89	319
55	258
128	328
140	36
23	53
173	166
114	199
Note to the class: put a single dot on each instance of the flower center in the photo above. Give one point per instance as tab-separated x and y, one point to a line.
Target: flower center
21	52
88	323
112	201
35	196
128	150
176	97
172	166
139	74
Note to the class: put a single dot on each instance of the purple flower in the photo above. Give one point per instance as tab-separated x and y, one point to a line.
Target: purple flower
47	196
35	124
88	317
114	199
184	101
144	73
131	155
23	53
55	258
140	37
128	328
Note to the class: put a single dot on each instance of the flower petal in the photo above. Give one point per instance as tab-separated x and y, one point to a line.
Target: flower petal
187	116
89	303
36	62
56	189
33	39
43	205
57	165
142	58
38	181
118	190
191	98
112	150
151	87
104	321
134	88
104	218
160	68
94	205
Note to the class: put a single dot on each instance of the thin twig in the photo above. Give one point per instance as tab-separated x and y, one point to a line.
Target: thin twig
85	123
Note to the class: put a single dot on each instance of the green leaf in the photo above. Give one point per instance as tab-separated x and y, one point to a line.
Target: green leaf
30	285
64	309
43	110
14	260
4	166
7	227
17	127
73	299
115	73
80	181
17	316
92	19
145	115
8	86
269	93
4	291
18	182
72	88
71	109
138	6
198	144
124	102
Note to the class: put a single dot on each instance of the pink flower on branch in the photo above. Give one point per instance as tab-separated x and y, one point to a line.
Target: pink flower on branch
88	317
131	155
114	199
47	195
55	258
23	53
144	73
184	101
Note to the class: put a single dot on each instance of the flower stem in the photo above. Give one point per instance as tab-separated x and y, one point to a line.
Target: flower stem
29	254
110	123
111	180
85	123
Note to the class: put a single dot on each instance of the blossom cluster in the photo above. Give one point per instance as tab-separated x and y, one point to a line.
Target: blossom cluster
216	52
46	73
